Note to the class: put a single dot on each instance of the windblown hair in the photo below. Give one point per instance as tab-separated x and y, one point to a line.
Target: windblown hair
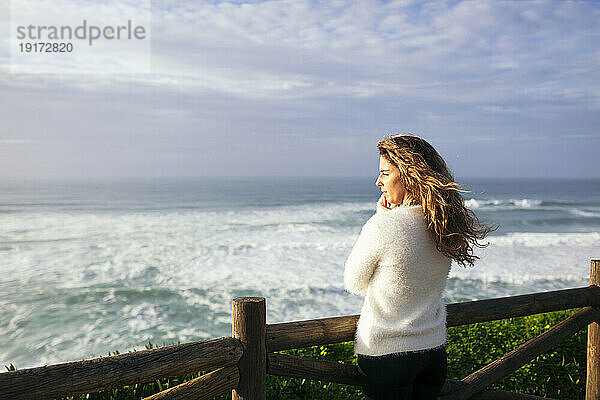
429	183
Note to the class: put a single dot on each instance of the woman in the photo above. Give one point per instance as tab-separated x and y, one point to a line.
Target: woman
400	262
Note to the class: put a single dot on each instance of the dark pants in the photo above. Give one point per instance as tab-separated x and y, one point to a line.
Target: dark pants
415	375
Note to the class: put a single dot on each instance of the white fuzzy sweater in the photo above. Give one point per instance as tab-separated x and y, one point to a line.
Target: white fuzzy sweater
395	263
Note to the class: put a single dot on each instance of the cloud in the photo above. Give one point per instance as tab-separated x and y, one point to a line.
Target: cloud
15	141
305	49
582	136
290	72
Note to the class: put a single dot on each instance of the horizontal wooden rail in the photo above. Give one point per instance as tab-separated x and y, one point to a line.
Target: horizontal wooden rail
519	306
331	371
89	376
315	332
310	368
515	359
204	387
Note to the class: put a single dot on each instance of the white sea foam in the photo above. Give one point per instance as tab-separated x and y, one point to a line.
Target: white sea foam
527	258
545	240
502	203
585	213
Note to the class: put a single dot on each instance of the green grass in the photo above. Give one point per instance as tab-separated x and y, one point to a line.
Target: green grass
558	374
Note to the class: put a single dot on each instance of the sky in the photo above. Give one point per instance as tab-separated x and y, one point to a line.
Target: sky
308	88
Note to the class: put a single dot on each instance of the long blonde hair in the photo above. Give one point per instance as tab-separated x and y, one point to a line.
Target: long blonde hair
429	183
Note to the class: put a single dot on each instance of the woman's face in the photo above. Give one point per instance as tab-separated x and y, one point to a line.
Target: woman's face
389	181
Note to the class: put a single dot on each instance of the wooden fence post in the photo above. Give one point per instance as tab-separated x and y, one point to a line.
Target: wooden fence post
249	326
592	388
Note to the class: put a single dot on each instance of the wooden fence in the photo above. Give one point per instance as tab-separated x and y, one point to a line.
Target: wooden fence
240	363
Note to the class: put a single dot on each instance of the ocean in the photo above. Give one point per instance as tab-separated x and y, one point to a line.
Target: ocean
92	267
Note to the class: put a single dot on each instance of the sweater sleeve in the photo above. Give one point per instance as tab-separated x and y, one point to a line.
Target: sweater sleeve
363	258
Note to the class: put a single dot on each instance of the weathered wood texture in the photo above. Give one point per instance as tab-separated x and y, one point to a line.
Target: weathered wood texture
102	373
248	325
520	306
512	361
291	335
204	387
331	371
314	332
592	387
310	368
249	315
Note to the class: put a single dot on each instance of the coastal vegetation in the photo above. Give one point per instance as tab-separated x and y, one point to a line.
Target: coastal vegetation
558	374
